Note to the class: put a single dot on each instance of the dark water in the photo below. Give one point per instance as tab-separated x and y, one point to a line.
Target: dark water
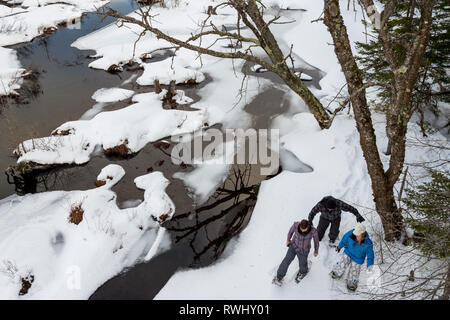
62	88
62	91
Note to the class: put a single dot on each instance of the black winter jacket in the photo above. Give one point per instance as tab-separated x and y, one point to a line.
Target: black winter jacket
335	213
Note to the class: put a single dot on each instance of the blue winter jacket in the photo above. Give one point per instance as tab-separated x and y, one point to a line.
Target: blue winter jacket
355	251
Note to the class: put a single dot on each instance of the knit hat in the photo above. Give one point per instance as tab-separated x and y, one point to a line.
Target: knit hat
359	229
331	203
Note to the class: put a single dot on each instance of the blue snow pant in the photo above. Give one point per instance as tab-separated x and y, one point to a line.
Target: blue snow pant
290	255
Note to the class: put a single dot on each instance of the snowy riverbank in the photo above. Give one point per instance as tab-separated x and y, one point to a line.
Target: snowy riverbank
39	243
22	21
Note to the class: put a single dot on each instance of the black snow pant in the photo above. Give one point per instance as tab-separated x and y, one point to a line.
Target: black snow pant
334	229
290	255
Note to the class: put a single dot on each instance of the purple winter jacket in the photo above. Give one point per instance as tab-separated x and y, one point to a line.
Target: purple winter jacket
302	243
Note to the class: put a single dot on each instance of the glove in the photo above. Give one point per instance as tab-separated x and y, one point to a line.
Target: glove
370	269
360	219
338	249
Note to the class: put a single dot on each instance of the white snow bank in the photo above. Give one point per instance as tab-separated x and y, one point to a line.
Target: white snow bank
10	72
133	126
6	11
208	174
87	5
168	70
112	94
114	45
26	25
285	4
204	180
69	261
111	174
33	18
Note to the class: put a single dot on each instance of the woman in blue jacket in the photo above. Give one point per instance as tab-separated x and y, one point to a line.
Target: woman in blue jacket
357	246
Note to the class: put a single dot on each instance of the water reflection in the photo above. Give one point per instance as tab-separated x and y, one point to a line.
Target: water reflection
208	228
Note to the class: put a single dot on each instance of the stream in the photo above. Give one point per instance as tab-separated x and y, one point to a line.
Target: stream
61	91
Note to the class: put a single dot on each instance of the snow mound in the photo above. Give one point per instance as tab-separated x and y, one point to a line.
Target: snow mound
64	260
111	175
125	130
112	94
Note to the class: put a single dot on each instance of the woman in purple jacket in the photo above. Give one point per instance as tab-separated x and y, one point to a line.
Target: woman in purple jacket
300	245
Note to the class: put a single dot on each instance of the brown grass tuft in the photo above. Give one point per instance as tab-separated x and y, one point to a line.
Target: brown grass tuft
114	68
99	183
119	151
163	217
61	132
26	284
191	82
161	144
76	213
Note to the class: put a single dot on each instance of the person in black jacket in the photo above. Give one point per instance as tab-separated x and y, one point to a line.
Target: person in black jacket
330	209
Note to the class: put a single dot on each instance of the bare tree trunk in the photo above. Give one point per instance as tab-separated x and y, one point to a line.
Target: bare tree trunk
446	295
382	191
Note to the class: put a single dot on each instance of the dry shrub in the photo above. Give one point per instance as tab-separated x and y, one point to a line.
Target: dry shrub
119	151
114	68
61	132
26	284
191	82
76	213
50	30
99	183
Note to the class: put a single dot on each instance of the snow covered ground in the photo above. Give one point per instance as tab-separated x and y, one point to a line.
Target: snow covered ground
109	239
10	72
25	20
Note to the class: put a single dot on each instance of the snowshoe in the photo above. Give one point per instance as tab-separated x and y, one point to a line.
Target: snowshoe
277	282
351	287
334	275
332	244
299	277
